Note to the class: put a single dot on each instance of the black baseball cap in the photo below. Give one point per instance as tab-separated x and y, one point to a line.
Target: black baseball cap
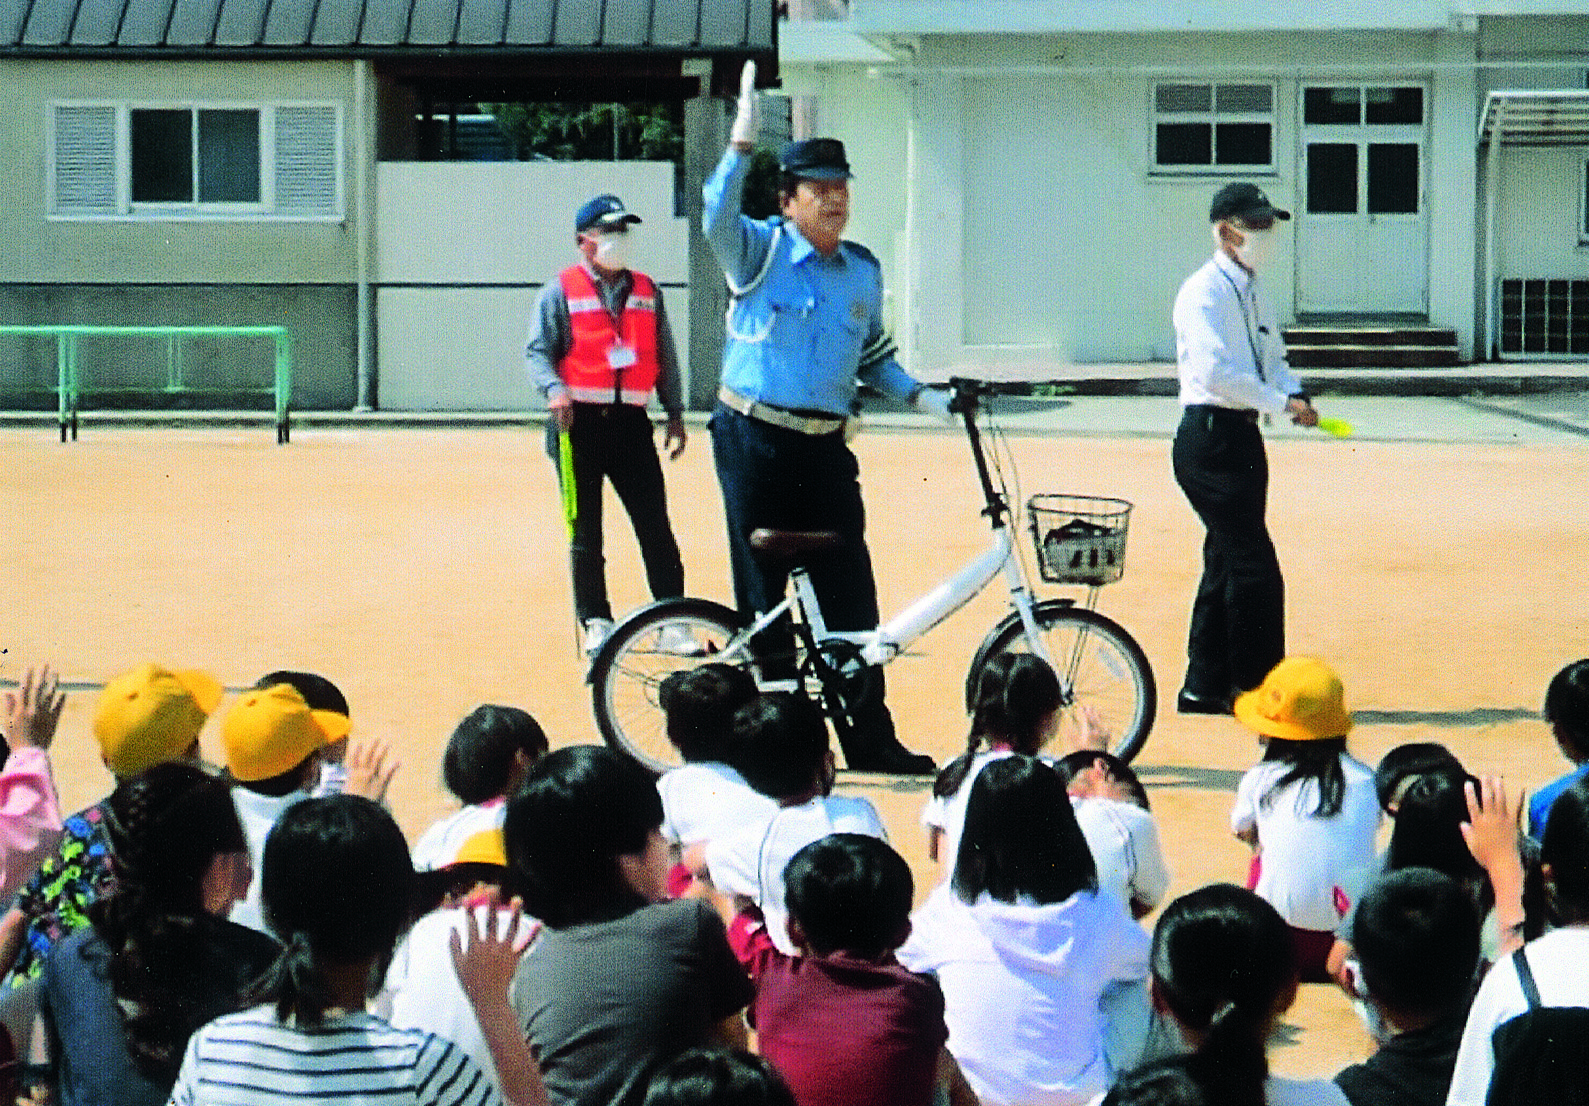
1246	202
605	210
815	159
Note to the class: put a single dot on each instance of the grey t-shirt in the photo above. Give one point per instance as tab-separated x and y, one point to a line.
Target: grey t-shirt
604	1005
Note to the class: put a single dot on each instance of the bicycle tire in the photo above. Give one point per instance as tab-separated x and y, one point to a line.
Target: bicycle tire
627	673
1099	663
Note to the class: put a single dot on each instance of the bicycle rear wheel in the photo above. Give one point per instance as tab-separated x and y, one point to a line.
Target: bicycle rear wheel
670	635
1100	666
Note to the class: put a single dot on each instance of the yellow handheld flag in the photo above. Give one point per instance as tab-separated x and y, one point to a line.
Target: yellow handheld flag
1336	428
565	479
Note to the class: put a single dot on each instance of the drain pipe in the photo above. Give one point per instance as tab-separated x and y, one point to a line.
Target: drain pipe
1492	162
362	158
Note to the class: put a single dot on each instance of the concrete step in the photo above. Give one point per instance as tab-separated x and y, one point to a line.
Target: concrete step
1371	356
1315	335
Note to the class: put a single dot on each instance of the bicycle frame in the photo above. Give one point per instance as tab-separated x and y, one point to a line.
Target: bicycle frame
886	642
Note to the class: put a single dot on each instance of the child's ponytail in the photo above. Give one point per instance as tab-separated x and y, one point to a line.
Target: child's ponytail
952	776
1015	697
294	984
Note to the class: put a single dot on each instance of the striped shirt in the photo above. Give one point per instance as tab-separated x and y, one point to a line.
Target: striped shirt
255	1059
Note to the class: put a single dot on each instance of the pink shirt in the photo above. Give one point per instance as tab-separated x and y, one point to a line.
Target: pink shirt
30	816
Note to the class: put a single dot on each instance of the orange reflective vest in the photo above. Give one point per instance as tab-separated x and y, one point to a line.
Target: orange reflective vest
610	361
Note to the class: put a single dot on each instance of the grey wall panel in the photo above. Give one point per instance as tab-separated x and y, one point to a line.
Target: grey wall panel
97	22
144	23
482	22
336	22
13	18
675	23
241	23
530	22
626	23
288	22
723	22
434	22
48	24
193	22
578	22
385	23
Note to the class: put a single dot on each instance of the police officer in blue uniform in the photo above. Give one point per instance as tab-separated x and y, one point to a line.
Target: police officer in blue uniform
804	323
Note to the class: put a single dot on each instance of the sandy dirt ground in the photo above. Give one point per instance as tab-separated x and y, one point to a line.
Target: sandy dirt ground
424	571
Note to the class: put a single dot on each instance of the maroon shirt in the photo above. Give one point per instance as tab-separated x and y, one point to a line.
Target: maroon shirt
848	1032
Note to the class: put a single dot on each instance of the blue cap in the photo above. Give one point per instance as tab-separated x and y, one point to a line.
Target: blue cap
815	159
604	210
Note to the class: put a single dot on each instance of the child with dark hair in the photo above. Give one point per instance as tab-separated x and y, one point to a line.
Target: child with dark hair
486	757
707	796
1112	809
718	1077
786	756
1405	763
337	886
1015	710
1025	946
1309	809
843	1021
1416	935
1497	1061
120	999
1224	971
624	979
1567	714
321	694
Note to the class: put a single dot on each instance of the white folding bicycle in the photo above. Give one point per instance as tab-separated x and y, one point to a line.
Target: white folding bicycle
1080	540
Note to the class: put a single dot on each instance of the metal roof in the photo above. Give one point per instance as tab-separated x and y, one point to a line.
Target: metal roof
189	28
1530	117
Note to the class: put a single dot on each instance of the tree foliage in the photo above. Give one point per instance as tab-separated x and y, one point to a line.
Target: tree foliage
592	132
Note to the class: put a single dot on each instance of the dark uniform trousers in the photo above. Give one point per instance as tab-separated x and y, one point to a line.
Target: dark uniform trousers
785	480
615	442
1238	618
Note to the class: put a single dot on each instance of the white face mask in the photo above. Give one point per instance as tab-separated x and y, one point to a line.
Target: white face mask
1256	248
612	250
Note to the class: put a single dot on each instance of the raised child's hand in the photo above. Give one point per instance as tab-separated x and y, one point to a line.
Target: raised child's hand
33	710
1491	831
370	766
487	955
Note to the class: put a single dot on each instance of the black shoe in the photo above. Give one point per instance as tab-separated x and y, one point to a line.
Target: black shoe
898	761
1187	703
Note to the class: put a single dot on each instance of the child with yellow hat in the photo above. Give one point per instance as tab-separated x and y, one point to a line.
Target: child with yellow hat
1308	808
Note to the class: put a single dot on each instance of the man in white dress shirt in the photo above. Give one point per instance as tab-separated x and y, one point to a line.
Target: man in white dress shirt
1232	365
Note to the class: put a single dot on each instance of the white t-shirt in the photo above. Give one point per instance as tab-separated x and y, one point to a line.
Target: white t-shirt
948	813
1024	986
1557	962
422	989
259	815
1292	1092
1309	865
751	860
1125	849
707	799
438	846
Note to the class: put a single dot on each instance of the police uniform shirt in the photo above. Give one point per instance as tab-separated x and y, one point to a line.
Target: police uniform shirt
1228	348
802	327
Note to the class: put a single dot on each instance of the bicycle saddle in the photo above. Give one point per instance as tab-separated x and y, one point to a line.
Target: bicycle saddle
791	544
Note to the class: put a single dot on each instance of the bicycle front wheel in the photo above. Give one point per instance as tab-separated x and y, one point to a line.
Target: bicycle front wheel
1101	667
670	635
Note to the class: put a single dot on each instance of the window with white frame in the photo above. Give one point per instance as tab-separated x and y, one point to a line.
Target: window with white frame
1213	128
195	160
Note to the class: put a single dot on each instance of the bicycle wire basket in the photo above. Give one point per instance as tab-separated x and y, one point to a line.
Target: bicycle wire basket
1080	539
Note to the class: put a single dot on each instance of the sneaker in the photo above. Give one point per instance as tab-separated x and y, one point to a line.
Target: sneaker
678	640
596	632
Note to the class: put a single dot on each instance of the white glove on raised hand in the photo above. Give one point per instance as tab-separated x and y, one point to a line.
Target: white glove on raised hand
747	122
931	401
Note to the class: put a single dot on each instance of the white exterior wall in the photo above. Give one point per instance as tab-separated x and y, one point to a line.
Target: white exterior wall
1032	231
463	247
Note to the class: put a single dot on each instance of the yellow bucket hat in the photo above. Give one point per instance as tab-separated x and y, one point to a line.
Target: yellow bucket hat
271	730
151	715
1300	700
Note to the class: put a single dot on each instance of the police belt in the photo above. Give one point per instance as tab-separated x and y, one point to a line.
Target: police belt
813	423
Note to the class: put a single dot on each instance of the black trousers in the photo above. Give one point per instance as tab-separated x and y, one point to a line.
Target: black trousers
1238	618
785	480
614	442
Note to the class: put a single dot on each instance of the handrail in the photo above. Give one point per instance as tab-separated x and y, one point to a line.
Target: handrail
69	383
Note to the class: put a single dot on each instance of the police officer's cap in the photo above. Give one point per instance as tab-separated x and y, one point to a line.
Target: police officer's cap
1246	202
815	159
605	210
